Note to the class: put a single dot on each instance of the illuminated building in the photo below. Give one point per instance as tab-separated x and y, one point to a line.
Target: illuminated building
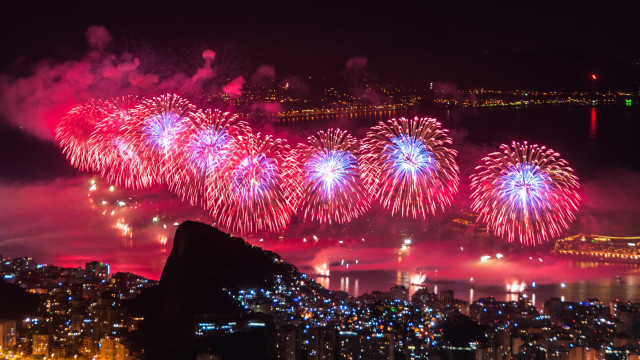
349	345
376	346
446	297
112	350
97	270
365	345
40	344
582	353
288	343
60	352
89	346
235	335
322	343
417	350
23	264
399	292
7	334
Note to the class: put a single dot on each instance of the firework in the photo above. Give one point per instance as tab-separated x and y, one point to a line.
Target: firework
161	122
73	131
202	152
115	157
257	189
410	166
525	192
333	190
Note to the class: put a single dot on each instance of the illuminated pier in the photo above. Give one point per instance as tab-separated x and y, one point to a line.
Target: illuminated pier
313	114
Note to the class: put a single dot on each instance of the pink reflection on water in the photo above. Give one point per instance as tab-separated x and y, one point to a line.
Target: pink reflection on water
593	125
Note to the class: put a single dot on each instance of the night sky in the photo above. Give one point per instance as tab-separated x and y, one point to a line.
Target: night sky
513	44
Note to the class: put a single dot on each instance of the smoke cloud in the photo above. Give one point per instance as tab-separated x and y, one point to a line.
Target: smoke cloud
357	64
36	102
358	76
98	37
234	88
266	74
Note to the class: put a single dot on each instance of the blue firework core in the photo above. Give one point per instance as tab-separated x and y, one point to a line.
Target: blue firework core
524	185
163	129
255	175
329	170
409	156
205	148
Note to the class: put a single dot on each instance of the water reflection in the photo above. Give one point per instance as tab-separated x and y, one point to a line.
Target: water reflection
608	289
593	126
323	281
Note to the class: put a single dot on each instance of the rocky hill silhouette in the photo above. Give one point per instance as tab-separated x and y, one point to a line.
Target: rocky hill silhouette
203	266
16	303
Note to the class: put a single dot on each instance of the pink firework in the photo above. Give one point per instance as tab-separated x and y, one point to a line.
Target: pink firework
525	192
161	122
202	152
74	130
257	189
333	189
115	157
410	166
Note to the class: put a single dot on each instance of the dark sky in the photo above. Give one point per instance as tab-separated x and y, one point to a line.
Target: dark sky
515	44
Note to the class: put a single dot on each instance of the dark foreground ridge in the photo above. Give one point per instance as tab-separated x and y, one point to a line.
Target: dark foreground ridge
15	302
204	265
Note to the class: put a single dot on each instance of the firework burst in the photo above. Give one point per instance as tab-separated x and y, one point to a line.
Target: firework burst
73	131
333	189
116	160
257	189
410	166
525	192
160	124
202	152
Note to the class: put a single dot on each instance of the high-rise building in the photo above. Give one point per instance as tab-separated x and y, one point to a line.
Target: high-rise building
416	350
288	342
369	346
77	321
235	335
322	343
582	353
40	344
89	346
23	264
110	349
60	352
97	270
376	346
349	345
399	292
7	334
446	297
